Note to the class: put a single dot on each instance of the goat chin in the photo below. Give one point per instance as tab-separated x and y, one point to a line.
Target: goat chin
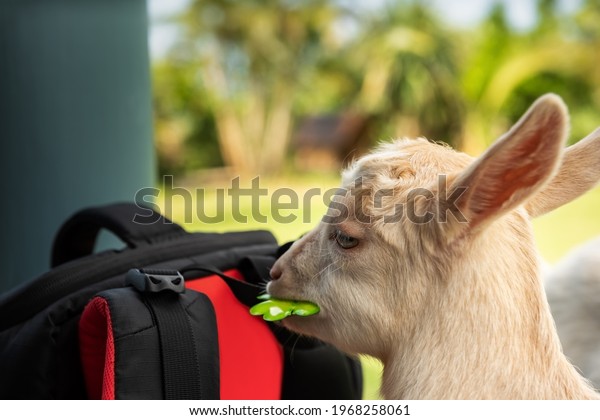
426	260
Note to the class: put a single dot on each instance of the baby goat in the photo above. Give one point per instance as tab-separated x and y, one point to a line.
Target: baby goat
426	260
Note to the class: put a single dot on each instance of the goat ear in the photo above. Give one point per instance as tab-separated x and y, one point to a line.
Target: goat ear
578	173
516	166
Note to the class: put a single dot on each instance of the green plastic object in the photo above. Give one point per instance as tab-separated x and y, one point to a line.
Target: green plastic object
276	309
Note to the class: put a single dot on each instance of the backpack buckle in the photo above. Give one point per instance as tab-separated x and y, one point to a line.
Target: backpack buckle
155	280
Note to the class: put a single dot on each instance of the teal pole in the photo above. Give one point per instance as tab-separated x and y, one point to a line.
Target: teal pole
75	119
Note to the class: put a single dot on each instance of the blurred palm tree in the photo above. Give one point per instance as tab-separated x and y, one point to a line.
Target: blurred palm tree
241	71
249	57
408	61
505	71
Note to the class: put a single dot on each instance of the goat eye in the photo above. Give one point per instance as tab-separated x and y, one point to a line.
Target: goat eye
345	241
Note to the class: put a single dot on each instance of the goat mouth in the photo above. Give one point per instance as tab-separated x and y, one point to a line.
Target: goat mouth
293	299
283	296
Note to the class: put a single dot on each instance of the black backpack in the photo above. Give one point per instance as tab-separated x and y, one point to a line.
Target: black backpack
165	318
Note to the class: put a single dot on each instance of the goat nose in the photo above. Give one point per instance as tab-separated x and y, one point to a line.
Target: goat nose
275	272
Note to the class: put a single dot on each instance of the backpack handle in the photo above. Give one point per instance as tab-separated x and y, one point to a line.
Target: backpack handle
133	224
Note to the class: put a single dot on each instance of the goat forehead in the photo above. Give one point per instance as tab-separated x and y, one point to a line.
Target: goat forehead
399	168
412	161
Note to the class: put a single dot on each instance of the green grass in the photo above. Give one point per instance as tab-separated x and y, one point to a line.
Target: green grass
288	220
568	226
556	233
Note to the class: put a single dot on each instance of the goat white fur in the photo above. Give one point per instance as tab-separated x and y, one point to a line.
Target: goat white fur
573	290
452	304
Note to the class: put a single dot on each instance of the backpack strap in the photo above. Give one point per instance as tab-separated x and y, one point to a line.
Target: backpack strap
180	369
256	268
183	377
245	292
133	224
150	342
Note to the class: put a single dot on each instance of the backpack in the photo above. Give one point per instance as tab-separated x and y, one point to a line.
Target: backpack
164	318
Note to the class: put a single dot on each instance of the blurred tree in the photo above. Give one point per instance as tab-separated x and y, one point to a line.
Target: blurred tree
396	64
249	57
408	62
241	71
504	70
183	122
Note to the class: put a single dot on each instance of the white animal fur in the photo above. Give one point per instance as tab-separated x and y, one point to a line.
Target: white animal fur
573	290
453	309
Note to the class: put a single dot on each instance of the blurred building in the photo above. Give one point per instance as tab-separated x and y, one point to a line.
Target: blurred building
327	142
